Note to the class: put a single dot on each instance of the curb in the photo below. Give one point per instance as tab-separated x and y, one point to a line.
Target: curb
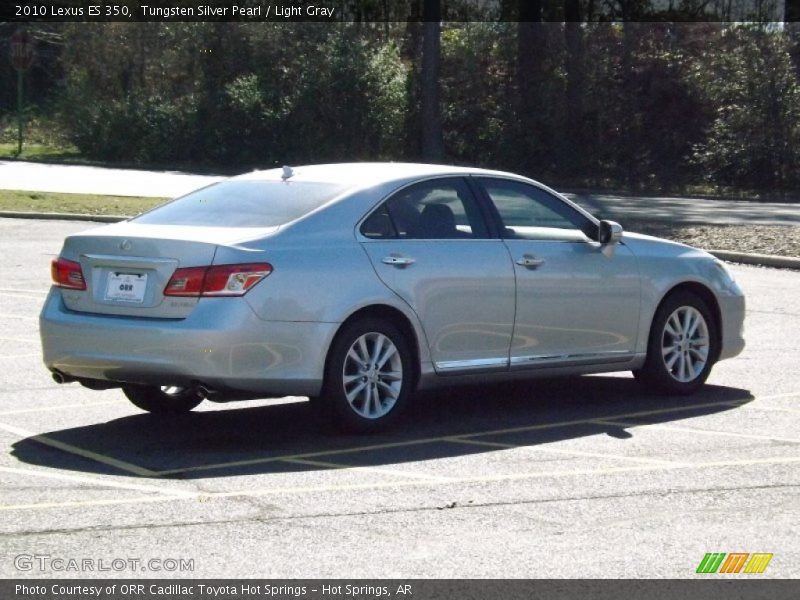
751	198
765	260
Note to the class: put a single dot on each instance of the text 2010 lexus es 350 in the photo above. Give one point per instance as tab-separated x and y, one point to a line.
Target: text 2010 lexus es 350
358	284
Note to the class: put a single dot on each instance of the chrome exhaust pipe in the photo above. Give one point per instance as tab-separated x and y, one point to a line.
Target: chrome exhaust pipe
60	377
205	392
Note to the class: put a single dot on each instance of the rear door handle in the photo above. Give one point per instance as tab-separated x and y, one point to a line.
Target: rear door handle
398	261
530	262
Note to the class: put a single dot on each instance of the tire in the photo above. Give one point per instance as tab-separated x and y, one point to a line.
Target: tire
167	400
369	377
682	347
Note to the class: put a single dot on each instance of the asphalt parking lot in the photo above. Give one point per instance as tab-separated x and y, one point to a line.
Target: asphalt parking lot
580	478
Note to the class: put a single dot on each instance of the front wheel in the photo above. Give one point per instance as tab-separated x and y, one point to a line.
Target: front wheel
682	347
164	400
368	377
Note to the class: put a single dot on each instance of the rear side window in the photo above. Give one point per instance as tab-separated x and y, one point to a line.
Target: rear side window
436	209
244	203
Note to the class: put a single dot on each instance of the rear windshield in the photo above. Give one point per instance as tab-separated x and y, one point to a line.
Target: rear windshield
244	203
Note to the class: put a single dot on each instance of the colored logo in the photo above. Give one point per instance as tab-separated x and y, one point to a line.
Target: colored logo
734	562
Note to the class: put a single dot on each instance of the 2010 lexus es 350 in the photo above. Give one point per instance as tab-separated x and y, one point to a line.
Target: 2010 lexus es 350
357	284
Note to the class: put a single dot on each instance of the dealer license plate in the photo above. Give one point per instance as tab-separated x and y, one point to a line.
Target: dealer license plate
126	287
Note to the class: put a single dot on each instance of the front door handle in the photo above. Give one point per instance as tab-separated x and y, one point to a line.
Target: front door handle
398	261
530	262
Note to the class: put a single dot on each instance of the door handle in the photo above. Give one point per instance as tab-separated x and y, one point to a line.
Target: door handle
398	261
530	262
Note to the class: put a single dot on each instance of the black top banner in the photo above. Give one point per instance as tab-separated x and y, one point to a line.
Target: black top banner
165	11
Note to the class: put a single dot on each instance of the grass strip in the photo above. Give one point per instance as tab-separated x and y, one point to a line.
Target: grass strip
40	152
90	204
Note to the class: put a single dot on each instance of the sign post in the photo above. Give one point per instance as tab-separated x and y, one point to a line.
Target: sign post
22	53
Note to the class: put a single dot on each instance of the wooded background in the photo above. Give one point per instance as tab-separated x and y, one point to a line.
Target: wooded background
580	93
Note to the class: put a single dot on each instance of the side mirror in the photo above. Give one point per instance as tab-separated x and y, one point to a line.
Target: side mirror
609	232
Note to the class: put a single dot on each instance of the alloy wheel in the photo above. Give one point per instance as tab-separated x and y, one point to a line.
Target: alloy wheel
685	344
372	375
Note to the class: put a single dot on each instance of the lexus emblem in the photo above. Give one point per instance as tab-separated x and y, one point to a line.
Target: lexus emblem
125	245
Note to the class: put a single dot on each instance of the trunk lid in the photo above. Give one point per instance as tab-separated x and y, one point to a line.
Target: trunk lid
127	265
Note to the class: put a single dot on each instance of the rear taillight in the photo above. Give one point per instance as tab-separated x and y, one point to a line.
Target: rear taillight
186	282
67	274
218	280
234	280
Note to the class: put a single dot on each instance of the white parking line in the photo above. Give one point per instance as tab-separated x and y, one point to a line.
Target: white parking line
19	340
540	448
757	404
37	354
86	503
393	472
274	491
290	457
24	290
69	448
335	452
776	396
747	436
57	407
773	409
421	478
15	317
100	482
21	295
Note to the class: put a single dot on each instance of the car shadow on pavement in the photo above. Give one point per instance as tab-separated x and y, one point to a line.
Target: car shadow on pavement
262	439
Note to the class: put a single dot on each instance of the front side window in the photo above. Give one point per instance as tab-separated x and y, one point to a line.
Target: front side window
244	203
529	212
436	209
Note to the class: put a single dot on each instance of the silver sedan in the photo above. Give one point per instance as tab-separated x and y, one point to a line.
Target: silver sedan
358	284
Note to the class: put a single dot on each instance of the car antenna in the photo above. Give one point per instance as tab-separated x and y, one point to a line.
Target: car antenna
287	172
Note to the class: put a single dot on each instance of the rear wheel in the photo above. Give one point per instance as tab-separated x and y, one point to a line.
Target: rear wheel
368	377
164	400
682	347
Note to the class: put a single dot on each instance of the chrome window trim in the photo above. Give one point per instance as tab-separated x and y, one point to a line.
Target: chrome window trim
532	361
367	240
586	240
538	360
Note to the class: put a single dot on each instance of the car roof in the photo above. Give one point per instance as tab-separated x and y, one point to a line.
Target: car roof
353	177
366	174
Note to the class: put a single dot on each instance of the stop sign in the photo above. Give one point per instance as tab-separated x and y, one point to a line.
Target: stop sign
21	50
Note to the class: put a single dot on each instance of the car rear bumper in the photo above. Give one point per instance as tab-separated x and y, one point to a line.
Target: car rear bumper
222	344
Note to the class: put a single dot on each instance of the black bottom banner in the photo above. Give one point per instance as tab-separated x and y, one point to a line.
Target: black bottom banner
412	589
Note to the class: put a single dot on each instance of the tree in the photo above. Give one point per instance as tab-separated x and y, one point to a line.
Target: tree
432	139
530	49
754	141
573	67
791	19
